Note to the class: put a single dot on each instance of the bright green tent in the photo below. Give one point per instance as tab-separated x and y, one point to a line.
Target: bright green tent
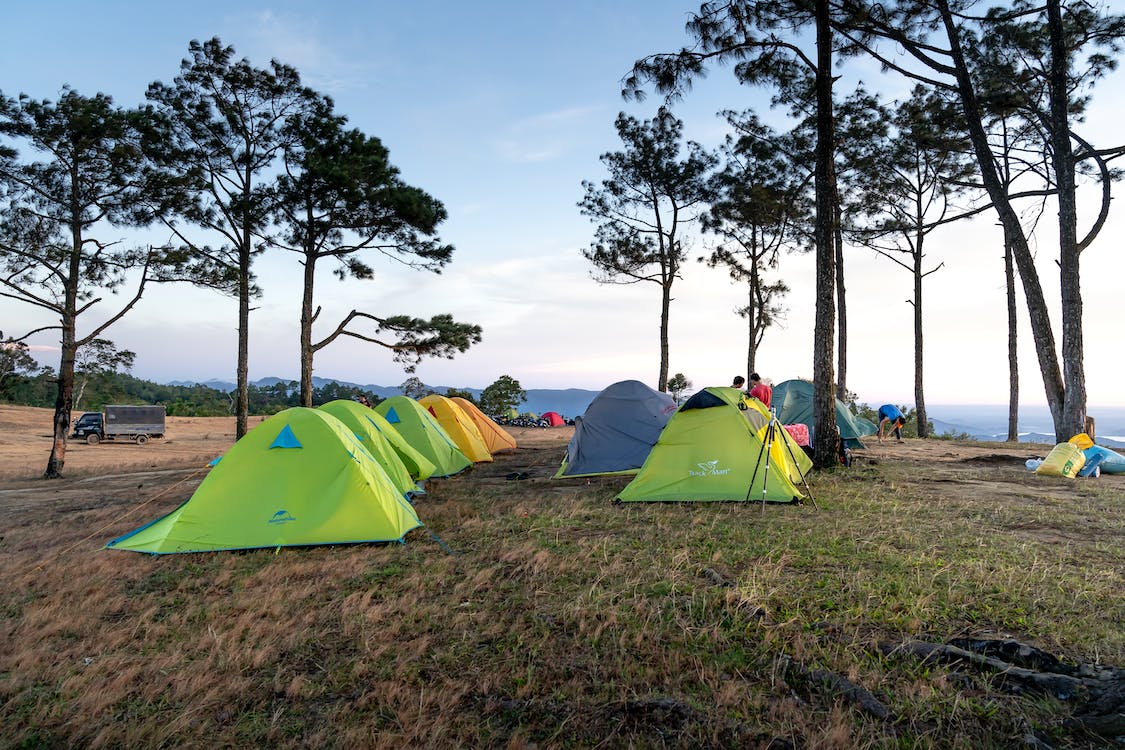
299	478
418	465
709	450
793	402
424	434
358	419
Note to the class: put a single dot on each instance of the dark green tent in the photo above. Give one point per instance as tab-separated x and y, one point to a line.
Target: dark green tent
793	401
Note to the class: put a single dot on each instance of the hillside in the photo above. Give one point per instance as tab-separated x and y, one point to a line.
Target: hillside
546	616
569	402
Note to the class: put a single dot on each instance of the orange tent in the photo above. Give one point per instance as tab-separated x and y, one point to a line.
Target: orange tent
460	428
496	438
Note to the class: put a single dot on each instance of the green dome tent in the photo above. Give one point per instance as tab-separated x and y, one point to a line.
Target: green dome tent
418	465
424	434
358	419
712	450
299	478
793	403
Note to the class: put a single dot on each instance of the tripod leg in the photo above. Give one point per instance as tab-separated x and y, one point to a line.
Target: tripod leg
766	476
754	476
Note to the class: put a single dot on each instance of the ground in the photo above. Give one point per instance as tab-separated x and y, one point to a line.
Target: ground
539	614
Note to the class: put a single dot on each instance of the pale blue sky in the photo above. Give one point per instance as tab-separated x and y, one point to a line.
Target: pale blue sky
500	110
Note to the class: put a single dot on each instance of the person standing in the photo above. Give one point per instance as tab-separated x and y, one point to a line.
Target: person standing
891	413
738	382
760	390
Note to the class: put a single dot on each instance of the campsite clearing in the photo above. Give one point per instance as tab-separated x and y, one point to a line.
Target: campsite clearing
561	619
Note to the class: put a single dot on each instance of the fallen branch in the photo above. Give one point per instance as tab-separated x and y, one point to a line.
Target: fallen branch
838	686
1063	687
1102	711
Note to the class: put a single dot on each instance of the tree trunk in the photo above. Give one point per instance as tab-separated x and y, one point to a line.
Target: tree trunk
68	349
1041	331
80	389
919	395
826	439
752	346
242	395
841	308
665	307
306	331
1073	416
1013	358
63	402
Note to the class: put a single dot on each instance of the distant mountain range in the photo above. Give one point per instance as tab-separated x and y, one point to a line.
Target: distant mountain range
1108	436
569	402
987	423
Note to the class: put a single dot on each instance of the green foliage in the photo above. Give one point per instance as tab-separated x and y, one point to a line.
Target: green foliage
16	365
339	199
413	387
32	390
97	360
650	192
641	209
414	338
506	393
332	391
761	207
678	385
178	400
458	393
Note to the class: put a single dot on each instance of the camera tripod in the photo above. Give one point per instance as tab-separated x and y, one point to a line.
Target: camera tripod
773	430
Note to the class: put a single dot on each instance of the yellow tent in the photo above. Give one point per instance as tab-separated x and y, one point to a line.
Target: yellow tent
496	438
458	425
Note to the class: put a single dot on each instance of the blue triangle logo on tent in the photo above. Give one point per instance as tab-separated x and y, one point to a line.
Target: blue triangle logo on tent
392	416
285	439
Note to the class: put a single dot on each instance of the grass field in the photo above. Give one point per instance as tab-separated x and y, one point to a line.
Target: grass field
550	617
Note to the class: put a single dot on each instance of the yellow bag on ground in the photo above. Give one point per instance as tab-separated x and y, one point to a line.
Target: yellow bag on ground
1064	460
1082	440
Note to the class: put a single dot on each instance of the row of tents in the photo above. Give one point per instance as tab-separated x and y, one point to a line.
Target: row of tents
347	473
341	473
720	445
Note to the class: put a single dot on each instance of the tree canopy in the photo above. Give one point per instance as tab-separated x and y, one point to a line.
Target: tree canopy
506	393
642	208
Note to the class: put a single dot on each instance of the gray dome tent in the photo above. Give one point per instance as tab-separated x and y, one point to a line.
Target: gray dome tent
618	430
793	403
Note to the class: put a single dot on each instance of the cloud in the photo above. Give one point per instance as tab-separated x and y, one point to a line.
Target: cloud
296	40
543	137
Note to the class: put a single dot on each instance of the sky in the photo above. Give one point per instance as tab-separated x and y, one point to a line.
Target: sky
501	110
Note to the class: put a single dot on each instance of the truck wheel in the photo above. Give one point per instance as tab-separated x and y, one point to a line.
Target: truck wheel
93	439
142	439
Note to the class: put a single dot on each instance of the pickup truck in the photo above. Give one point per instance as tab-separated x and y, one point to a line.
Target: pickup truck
136	423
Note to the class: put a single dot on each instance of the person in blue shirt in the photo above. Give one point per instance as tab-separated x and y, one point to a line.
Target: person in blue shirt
891	413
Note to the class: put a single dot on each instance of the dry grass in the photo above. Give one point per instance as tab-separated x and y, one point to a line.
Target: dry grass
563	620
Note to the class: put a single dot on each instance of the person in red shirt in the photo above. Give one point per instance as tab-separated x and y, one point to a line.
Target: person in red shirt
759	390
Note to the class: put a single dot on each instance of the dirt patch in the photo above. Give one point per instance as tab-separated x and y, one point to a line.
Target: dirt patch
999	458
